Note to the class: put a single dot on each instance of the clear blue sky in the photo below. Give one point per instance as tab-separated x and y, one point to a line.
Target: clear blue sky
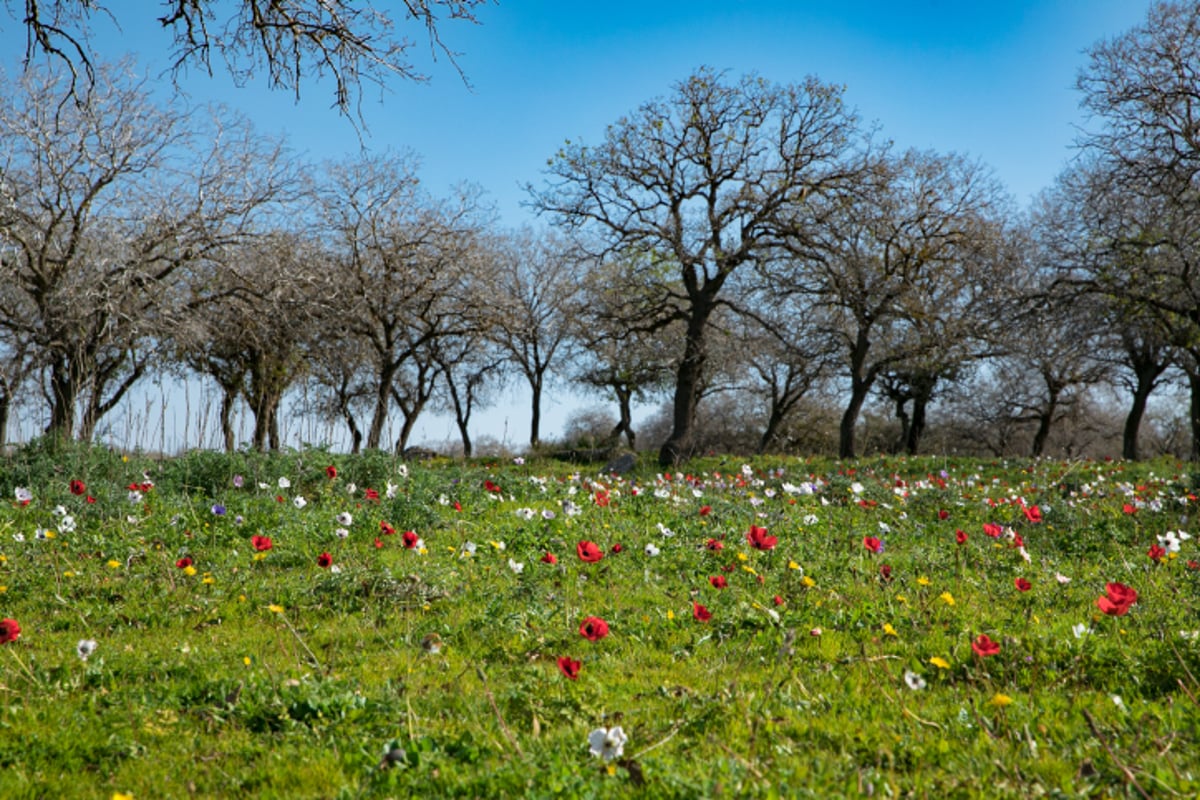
990	78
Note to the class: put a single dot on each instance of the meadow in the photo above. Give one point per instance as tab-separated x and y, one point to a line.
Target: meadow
319	625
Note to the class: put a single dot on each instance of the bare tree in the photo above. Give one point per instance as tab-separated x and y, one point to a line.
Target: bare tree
698	180
292	41
103	206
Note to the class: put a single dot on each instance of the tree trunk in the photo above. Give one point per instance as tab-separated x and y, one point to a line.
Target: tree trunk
678	445
624	409
383	397
228	400
922	394
535	420
1194	385
905	423
63	395
1146	377
1045	420
5	405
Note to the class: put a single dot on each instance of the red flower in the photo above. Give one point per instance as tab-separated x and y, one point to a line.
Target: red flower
324	561
701	613
569	667
759	540
371	494
885	572
1117	599
1032	513
714	545
78	487
1193	564
549	558
261	543
278	498
960	536
718	581
873	544
457	506
589	551
411	540
378	543
593	629
1022	585
491	487
984	646
9	630
705	510
331	472
616	548
1156	553
91	499
943	514
777	600
602	498
992	529
387	529
184	562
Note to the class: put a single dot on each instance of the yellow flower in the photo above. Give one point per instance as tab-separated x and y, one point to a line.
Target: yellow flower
275	609
247	661
1000	700
901	599
793	565
923	581
940	662
114	564
670	614
259	556
889	630
68	574
808	581
749	569
743	557
946	598
122	795
189	570
3	558
208	580
3	589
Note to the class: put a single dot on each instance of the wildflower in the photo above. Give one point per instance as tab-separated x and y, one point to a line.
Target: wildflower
589	551
184	562
1022	585
331	472
402	470
371	494
1032	513
391	490
1080	629
85	648
284	483
700	613
324	561
516	566
873	544
23	495
1116	600
1000	700
386	528
984	646
342	533
960	536
526	513
1063	580
705	510
885	572
1156	553
275	608
923	581
889	630
713	545
815	632
946	598
939	662
549	558
238	481
777	600
808	581
616	548
651	549
218	510
261	543
718	581
608	743
759	540
134	496
913	681
468	550
299	502
67	524
345	519
412	541
569	667
78	487
992	529
9	630
593	629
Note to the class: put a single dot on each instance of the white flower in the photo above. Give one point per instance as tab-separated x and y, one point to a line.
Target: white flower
665	531
18	537
443	500
662	494
811	519
516	566
135	496
747	470
299	502
519	461
856	488
391	490
402	470
1080	630
345	519
651	550
262	485
342	533
548	514
913	681
336	569
468	549
351	488
85	648
23	494
569	508
526	513
66	524
42	534
284	483
1063	580
608	743
59	511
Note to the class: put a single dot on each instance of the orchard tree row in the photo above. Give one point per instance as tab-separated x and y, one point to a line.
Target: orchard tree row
735	236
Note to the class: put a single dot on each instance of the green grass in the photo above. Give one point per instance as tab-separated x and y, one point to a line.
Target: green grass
264	674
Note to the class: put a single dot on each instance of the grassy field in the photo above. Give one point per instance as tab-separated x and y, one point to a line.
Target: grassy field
317	625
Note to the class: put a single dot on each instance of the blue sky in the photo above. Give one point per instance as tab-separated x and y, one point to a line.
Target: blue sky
993	79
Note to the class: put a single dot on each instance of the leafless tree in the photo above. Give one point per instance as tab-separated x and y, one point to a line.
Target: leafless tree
697	180
292	41
104	204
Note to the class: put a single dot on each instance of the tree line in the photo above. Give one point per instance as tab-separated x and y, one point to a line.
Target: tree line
733	238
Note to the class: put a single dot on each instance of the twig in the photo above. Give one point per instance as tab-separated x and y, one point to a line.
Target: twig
911	715
1124	769
674	730
503	726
